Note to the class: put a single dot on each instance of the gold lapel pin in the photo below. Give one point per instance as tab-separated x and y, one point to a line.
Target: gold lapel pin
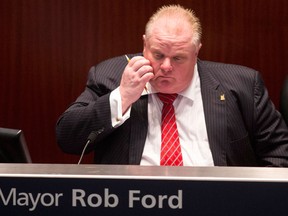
222	97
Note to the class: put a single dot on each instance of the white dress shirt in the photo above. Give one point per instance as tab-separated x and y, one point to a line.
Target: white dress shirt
190	123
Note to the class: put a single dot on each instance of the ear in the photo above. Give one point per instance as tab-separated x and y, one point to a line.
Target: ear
198	48
144	43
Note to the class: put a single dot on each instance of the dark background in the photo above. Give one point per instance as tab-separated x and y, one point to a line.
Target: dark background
48	46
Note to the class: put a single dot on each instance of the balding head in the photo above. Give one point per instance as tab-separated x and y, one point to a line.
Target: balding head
174	19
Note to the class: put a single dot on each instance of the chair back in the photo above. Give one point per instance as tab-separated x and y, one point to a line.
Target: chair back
284	100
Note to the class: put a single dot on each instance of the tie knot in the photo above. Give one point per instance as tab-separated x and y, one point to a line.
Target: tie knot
167	98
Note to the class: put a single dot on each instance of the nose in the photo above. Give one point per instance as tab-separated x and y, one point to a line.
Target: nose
166	65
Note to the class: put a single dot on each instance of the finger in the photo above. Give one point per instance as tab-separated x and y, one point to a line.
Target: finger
135	58
137	62
144	69
146	77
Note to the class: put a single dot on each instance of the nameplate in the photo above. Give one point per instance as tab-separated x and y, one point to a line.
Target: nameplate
139	195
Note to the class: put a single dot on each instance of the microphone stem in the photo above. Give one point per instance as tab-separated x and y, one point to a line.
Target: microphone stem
91	139
84	149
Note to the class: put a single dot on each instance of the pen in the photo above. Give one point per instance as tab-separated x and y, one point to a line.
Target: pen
128	60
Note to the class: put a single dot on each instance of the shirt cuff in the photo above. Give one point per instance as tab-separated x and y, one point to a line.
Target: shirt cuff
117	118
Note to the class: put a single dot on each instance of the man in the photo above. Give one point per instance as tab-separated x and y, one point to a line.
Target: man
223	113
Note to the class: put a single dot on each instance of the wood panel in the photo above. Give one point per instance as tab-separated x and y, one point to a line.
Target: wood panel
48	46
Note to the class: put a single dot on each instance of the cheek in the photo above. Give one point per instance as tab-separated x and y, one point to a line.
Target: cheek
185	75
148	56
155	66
188	77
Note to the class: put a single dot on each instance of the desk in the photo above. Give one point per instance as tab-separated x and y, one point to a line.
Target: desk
64	189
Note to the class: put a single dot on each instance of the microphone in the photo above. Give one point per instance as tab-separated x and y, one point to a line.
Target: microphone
91	139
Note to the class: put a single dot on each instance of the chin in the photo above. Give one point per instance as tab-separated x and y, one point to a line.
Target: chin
164	86
166	90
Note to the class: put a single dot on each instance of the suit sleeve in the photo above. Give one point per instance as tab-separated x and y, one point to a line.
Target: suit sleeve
271	133
90	112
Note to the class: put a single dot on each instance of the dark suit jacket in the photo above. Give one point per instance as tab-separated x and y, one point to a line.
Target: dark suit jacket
243	130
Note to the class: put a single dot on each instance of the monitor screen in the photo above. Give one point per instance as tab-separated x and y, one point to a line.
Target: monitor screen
13	148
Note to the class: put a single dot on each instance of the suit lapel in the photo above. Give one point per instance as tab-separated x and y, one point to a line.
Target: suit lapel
214	104
139	127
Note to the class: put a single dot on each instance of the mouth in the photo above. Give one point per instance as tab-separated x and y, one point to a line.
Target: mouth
163	78
164	81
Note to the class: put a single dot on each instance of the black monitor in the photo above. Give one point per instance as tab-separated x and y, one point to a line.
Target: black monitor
13	148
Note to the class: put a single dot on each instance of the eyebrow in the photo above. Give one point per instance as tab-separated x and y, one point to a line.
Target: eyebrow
180	53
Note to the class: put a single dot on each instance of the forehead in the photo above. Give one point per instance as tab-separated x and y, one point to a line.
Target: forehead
167	42
165	32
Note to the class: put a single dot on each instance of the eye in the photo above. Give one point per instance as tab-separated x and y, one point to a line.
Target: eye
158	56
177	58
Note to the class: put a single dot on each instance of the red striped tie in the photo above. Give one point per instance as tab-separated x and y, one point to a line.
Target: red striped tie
170	147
